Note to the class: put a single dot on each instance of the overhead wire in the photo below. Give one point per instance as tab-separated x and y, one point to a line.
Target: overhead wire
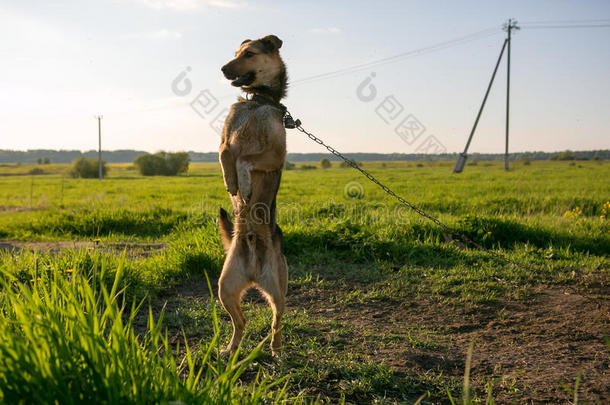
401	56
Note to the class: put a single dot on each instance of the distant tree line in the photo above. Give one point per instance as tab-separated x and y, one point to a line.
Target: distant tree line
569	155
128	156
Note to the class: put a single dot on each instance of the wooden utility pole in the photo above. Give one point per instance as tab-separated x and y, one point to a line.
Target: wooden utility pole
99	154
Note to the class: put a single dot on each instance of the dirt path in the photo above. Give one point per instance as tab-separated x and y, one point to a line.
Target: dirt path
138	249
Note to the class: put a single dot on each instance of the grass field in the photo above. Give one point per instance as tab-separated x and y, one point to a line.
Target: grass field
382	308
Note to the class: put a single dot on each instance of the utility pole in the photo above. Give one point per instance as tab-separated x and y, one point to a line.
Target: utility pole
459	165
99	155
512	25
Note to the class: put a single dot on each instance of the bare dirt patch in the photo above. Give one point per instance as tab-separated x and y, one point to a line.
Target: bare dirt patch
526	349
138	249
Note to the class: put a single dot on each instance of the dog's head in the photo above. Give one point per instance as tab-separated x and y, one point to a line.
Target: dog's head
257	63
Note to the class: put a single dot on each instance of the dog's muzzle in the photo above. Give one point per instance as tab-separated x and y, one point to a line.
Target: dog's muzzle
238	80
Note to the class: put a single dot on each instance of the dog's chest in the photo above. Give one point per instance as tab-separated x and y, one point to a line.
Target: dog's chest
256	128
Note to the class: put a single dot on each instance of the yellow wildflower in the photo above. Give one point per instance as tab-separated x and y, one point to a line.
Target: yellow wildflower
605	209
574	213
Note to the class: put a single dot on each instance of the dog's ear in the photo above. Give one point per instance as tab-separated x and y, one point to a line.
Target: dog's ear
271	43
246	40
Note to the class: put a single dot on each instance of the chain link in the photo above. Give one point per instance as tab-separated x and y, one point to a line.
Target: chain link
418	210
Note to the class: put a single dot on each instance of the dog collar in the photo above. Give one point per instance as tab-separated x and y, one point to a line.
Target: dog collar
289	122
266	100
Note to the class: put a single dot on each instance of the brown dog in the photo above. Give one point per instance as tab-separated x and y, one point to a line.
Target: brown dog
252	154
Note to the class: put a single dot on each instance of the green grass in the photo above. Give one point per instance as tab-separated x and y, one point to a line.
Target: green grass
343	253
68	340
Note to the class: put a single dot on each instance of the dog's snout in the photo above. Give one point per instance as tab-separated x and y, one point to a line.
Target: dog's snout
227	71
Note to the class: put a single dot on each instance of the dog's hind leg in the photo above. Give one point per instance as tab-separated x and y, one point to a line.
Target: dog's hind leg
273	284
231	285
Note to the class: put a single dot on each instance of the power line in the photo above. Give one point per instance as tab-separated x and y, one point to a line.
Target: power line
537	27
566	24
390	59
603	20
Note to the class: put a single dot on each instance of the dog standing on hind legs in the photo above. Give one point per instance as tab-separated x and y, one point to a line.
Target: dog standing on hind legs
252	155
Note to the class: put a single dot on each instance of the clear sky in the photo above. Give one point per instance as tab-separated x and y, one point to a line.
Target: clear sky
62	62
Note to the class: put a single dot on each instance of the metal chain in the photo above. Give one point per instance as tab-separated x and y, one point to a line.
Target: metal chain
385	188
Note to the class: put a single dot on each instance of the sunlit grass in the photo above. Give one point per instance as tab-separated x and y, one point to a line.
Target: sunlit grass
67	339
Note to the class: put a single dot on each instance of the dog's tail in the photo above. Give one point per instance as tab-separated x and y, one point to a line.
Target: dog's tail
226	229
